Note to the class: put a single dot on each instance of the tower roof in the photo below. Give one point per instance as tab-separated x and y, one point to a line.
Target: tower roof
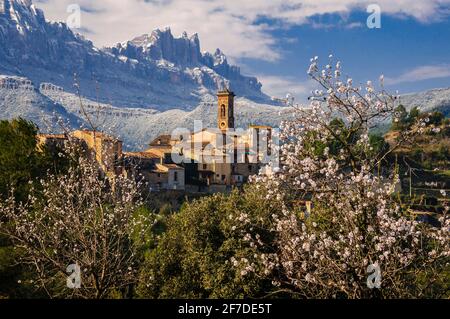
225	92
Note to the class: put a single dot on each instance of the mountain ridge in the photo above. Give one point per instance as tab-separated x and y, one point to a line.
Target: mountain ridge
137	89
136	127
154	71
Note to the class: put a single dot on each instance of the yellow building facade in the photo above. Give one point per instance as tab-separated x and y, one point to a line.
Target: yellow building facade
225	156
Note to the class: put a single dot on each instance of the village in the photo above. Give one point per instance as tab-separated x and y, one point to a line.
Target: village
209	160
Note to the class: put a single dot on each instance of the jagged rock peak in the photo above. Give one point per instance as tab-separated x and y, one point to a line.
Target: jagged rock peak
20	9
161	44
6	5
22	12
25	17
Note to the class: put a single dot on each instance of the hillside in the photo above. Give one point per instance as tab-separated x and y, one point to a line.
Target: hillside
432	100
136	126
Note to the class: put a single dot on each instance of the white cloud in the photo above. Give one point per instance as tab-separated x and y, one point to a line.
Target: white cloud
421	73
280	86
232	25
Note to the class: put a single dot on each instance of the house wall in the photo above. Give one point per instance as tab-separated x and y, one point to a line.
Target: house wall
52	143
158	180
230	165
258	139
246	169
107	152
179	183
111	153
222	170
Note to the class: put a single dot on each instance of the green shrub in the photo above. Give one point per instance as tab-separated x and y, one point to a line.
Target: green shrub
193	258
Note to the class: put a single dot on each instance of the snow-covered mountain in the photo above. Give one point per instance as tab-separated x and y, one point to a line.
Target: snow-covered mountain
49	104
432	100
135	90
137	126
154	71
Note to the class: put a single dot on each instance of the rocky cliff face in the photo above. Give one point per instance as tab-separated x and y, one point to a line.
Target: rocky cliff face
184	51
28	40
155	71
161	45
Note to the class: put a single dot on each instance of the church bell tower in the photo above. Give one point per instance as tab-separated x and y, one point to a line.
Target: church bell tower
226	110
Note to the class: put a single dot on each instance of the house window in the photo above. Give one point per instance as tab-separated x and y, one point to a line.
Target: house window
223	111
175	177
205	166
224	178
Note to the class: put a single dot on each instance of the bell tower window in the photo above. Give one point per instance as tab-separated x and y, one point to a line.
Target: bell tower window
223	111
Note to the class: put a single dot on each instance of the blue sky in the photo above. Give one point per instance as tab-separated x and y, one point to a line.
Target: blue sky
274	39
412	55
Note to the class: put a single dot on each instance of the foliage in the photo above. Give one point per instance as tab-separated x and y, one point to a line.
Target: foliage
355	221
194	258
19	160
83	219
431	149
21	165
15	279
401	119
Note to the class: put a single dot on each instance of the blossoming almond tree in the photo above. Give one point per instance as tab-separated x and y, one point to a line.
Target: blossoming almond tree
329	157
80	219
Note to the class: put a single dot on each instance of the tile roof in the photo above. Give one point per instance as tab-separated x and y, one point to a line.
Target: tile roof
56	136
141	155
164	168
